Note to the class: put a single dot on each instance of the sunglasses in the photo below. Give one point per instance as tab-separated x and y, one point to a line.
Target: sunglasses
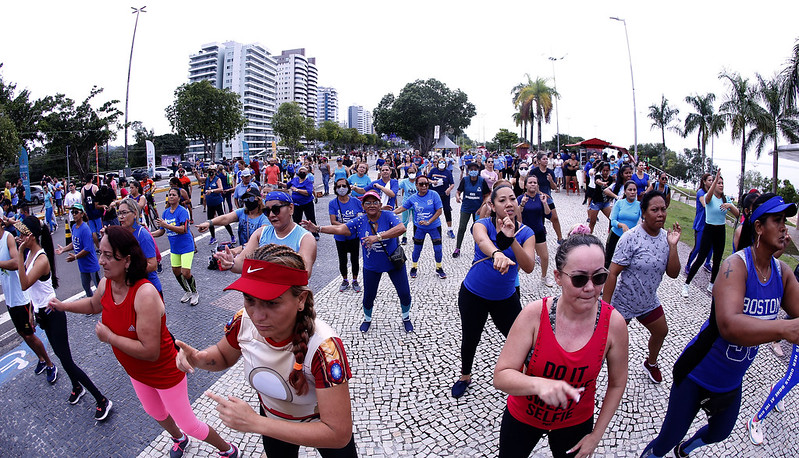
580	280
77	212
342	187
423	183
251	199
274	209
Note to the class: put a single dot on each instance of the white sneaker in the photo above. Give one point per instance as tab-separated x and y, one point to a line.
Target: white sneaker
780	406
548	281
710	288
755	431
195	298
186	297
684	292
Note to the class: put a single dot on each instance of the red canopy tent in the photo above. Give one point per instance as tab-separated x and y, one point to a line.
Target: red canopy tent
595	143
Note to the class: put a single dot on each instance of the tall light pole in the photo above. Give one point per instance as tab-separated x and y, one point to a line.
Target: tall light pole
635	113
557	115
135	11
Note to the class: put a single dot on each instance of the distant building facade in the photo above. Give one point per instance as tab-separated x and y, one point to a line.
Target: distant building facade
298	80
360	119
326	105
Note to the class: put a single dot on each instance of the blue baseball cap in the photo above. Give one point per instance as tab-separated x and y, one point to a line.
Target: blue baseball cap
774	205
280	196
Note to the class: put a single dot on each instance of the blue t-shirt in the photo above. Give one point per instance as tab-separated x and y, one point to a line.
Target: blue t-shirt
485	281
473	193
59	191
178	243
305	185
82	240
249	225
375	258
344	213
393	185
533	213
424	207
408	187
440	180
625	212
467	159
215	198
361	182
241	188
147	245
699	219
641	183
48	202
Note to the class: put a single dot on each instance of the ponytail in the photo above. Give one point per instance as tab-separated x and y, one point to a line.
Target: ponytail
49	250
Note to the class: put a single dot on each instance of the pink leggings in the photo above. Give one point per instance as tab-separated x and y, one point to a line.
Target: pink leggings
174	401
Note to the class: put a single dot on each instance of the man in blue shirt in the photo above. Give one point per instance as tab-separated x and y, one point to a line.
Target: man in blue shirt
245	184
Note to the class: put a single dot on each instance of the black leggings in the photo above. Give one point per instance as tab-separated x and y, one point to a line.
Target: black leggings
55	327
462	223
214	211
610	248
307	209
517	439
352	247
275	448
474	314
714	237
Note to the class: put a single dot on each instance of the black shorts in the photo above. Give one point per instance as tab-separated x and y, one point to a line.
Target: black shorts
540	237
20	316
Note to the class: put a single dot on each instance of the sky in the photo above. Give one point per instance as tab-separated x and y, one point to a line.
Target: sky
367	49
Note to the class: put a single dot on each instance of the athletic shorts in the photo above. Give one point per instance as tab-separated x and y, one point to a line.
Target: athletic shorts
599	206
20	316
540	237
182	260
420	232
95	225
650	316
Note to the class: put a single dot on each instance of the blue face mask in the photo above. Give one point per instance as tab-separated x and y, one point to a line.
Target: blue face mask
473	173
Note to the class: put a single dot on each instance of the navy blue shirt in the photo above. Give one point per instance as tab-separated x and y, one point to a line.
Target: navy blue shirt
344	213
440	180
473	194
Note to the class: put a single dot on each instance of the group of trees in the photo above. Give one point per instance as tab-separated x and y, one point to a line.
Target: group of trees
758	114
533	100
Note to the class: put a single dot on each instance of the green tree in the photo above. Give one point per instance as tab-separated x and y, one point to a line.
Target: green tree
289	123
539	97
772	120
505	139
565	139
739	109
694	165
791	75
419	107
699	121
662	116
207	114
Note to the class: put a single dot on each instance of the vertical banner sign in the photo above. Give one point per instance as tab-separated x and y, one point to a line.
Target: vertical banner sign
23	172
274	150
150	158
437	132
245	147
97	163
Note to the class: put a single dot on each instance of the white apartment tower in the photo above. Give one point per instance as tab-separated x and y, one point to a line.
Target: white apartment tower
250	71
297	80
359	119
326	105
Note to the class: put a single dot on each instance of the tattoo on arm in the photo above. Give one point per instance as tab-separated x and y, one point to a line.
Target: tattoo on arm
728	271
212	362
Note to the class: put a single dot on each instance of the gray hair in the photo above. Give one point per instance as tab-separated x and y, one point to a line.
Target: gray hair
133	207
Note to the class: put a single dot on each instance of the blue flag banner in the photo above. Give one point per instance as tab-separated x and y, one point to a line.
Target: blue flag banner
245	147
24	173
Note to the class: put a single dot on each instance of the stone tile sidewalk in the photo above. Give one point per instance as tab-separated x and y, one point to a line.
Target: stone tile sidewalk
400	387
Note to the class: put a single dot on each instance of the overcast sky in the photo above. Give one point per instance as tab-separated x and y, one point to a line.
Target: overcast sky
367	49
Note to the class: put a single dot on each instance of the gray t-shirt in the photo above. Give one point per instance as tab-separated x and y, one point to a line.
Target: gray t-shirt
644	258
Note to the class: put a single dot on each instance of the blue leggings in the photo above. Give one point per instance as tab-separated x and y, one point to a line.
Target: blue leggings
418	242
685	401
48	216
695	251
371	280
86	281
782	387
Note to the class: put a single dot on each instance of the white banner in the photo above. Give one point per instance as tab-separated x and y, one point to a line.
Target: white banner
150	158
437	132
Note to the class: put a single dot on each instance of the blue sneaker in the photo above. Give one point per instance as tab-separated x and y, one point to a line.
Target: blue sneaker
212	241
179	447
414	272
39	367
707	267
232	239
408	325
365	326
52	374
450	234
460	387
356	286
441	274
232	453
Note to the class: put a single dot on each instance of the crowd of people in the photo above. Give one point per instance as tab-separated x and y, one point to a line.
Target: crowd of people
554	347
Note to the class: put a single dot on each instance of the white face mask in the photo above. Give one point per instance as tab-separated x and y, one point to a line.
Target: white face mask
342	191
411	176
442	165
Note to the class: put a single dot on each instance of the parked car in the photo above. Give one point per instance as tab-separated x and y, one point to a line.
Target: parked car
139	174
161	172
37	195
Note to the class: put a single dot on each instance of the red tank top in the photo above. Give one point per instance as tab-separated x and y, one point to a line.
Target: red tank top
121	319
579	369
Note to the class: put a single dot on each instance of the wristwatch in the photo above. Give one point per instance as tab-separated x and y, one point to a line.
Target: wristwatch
379	237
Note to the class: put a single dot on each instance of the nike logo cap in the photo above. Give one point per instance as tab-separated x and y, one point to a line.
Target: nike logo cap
266	280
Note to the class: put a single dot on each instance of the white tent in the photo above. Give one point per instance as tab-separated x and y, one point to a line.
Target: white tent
445	143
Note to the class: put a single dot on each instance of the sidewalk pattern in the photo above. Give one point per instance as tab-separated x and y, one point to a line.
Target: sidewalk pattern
400	387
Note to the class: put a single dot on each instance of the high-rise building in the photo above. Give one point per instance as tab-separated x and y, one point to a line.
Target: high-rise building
326	105
360	119
297	80
250	71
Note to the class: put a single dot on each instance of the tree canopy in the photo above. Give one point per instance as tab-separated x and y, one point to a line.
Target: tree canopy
505	139
419	107
290	124
202	112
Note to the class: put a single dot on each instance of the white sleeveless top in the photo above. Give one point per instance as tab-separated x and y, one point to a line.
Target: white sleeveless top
41	291
9	279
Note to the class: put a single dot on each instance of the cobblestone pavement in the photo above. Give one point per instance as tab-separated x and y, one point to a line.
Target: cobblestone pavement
401	382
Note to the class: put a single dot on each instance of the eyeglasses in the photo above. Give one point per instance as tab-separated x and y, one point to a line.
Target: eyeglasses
580	280
274	209
424	183
371	203
342	187
251	199
75	212
123	212
489	162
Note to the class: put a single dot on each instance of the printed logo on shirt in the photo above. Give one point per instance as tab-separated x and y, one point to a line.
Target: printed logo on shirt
132	328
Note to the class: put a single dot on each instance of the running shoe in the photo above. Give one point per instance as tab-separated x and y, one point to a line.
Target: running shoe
678	451
212	240
365	326
548	281
456	253
103	409
232	239
684	292
755	430
460	387
653	371
40	366
450	234
344	286
186	297
441	274
707	267
178	447
356	286
195	298
710	288
75	396
414	272
776	347
408	325
52	374
232	453
160	268
404	241
687	270
780	406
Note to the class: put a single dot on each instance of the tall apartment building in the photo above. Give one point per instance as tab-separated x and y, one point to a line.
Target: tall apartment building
326	105
297	80
250	71
360	119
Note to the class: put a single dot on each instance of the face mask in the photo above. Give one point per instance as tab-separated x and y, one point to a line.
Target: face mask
251	206
442	165
473	173
342	191
523	172
411	176
302	174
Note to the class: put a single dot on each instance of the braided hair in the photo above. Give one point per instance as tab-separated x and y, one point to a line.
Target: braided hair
304	325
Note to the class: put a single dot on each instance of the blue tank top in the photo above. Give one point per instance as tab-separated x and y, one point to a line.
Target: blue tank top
724	366
292	240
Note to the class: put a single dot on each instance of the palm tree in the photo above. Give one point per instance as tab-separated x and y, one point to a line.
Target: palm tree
716	125
700	121
523	109
662	116
773	119
791	75
740	110
517	120
539	97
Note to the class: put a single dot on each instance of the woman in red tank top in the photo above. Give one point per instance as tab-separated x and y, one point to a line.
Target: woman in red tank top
553	355
134	324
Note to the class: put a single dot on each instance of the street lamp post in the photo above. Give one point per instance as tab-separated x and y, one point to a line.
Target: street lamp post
632	81
557	114
135	11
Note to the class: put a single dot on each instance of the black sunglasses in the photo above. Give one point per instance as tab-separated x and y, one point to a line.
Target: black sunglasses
251	199
423	183
275	209
580	280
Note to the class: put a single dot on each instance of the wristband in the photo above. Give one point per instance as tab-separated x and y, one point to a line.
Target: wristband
495	252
